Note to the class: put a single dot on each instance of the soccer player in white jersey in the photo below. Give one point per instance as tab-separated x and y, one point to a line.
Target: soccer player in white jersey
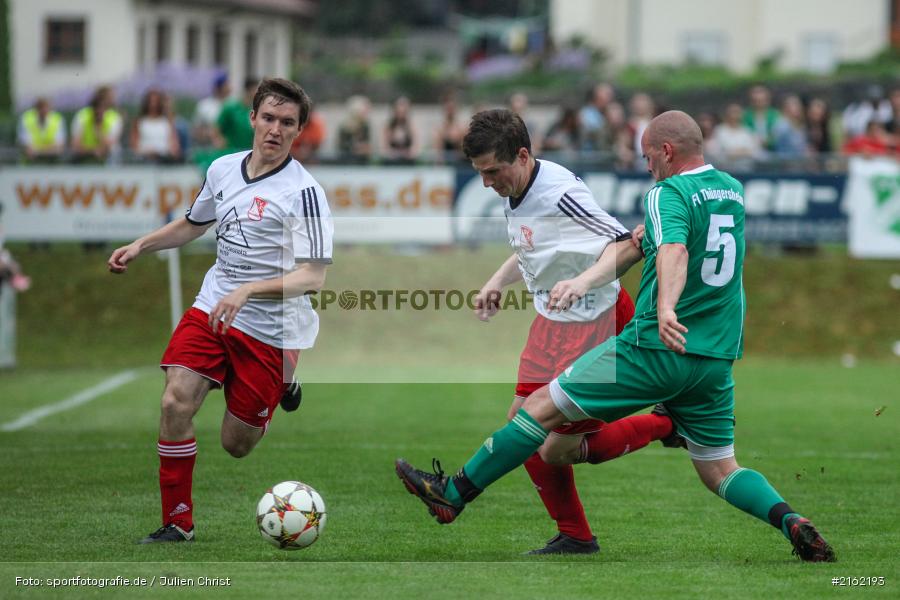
558	231
252	316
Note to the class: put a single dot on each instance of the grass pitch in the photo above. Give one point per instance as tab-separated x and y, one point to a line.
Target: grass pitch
79	487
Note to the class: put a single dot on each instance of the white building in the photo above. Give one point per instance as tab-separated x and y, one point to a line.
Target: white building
809	35
78	44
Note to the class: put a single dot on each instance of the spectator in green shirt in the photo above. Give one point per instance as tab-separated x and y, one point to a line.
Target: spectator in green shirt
234	119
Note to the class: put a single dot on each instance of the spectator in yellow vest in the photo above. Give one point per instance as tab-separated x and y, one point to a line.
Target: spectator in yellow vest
96	128
42	133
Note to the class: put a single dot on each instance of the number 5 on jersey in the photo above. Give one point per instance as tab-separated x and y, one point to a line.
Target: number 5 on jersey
718	270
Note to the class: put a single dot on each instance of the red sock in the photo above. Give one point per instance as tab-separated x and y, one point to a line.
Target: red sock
623	436
556	486
176	471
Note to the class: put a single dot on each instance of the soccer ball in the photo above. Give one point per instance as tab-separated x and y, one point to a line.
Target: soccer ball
291	515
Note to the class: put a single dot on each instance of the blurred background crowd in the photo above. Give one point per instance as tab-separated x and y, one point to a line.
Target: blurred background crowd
605	130
395	83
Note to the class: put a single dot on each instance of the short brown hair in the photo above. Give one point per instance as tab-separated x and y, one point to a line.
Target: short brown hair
281	91
499	131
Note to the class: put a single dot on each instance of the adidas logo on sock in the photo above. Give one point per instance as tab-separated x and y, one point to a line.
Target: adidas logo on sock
263	413
489	444
181	508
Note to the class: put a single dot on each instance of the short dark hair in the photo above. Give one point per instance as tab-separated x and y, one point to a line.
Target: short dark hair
500	131
281	91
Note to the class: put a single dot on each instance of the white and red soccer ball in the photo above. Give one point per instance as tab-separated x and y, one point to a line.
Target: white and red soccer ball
291	515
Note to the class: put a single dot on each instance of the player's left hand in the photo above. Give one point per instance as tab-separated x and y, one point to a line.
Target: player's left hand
566	293
670	331
637	237
227	309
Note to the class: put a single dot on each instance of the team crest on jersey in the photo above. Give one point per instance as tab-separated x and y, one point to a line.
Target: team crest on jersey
527	238
256	209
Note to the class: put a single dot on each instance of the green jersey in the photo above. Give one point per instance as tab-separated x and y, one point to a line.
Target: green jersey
704	210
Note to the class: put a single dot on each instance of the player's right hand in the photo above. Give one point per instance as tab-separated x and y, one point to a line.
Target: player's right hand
487	302
119	259
566	293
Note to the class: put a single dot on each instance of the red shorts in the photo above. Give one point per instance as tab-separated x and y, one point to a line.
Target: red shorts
552	346
252	372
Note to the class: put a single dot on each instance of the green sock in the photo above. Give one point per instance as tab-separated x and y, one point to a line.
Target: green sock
506	449
749	491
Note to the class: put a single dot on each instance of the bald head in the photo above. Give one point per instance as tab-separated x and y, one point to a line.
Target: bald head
678	129
672	143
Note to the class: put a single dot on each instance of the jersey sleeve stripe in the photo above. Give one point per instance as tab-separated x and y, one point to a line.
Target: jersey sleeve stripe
653	211
586	214
321	236
658	217
592	224
590	227
313	222
307	218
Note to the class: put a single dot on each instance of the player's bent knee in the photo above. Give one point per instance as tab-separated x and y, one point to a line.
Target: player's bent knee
237	449
554	457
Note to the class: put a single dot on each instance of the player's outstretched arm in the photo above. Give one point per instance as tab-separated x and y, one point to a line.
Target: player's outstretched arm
306	278
615	261
173	235
671	271
487	302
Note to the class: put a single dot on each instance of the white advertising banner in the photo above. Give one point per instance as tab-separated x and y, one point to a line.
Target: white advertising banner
371	204
389	204
873	198
92	203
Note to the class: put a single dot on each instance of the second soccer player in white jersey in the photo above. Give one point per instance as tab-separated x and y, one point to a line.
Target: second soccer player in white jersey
558	231
252	316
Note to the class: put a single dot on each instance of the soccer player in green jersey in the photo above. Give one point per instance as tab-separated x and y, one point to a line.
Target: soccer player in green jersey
678	349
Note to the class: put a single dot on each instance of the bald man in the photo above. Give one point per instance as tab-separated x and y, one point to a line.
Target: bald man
678	350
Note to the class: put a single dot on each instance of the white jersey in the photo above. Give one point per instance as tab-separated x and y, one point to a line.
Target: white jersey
558	232
265	226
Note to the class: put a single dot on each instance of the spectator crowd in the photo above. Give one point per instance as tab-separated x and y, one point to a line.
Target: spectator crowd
605	130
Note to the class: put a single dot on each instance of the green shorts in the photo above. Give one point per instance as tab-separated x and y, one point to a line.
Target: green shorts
617	378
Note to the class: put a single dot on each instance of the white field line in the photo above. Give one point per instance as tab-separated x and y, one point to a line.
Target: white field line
82	397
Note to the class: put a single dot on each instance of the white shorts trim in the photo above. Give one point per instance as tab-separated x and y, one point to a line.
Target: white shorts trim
566	405
709	453
264	427
166	366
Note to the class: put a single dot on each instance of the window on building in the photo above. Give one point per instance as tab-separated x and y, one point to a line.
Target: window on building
65	41
220	45
192	44
250	52
819	52
163	41
705	48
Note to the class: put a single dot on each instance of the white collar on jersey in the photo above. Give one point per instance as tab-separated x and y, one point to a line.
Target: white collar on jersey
705	167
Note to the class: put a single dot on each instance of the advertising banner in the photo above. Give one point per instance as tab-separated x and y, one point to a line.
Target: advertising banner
805	208
874	190
376	205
